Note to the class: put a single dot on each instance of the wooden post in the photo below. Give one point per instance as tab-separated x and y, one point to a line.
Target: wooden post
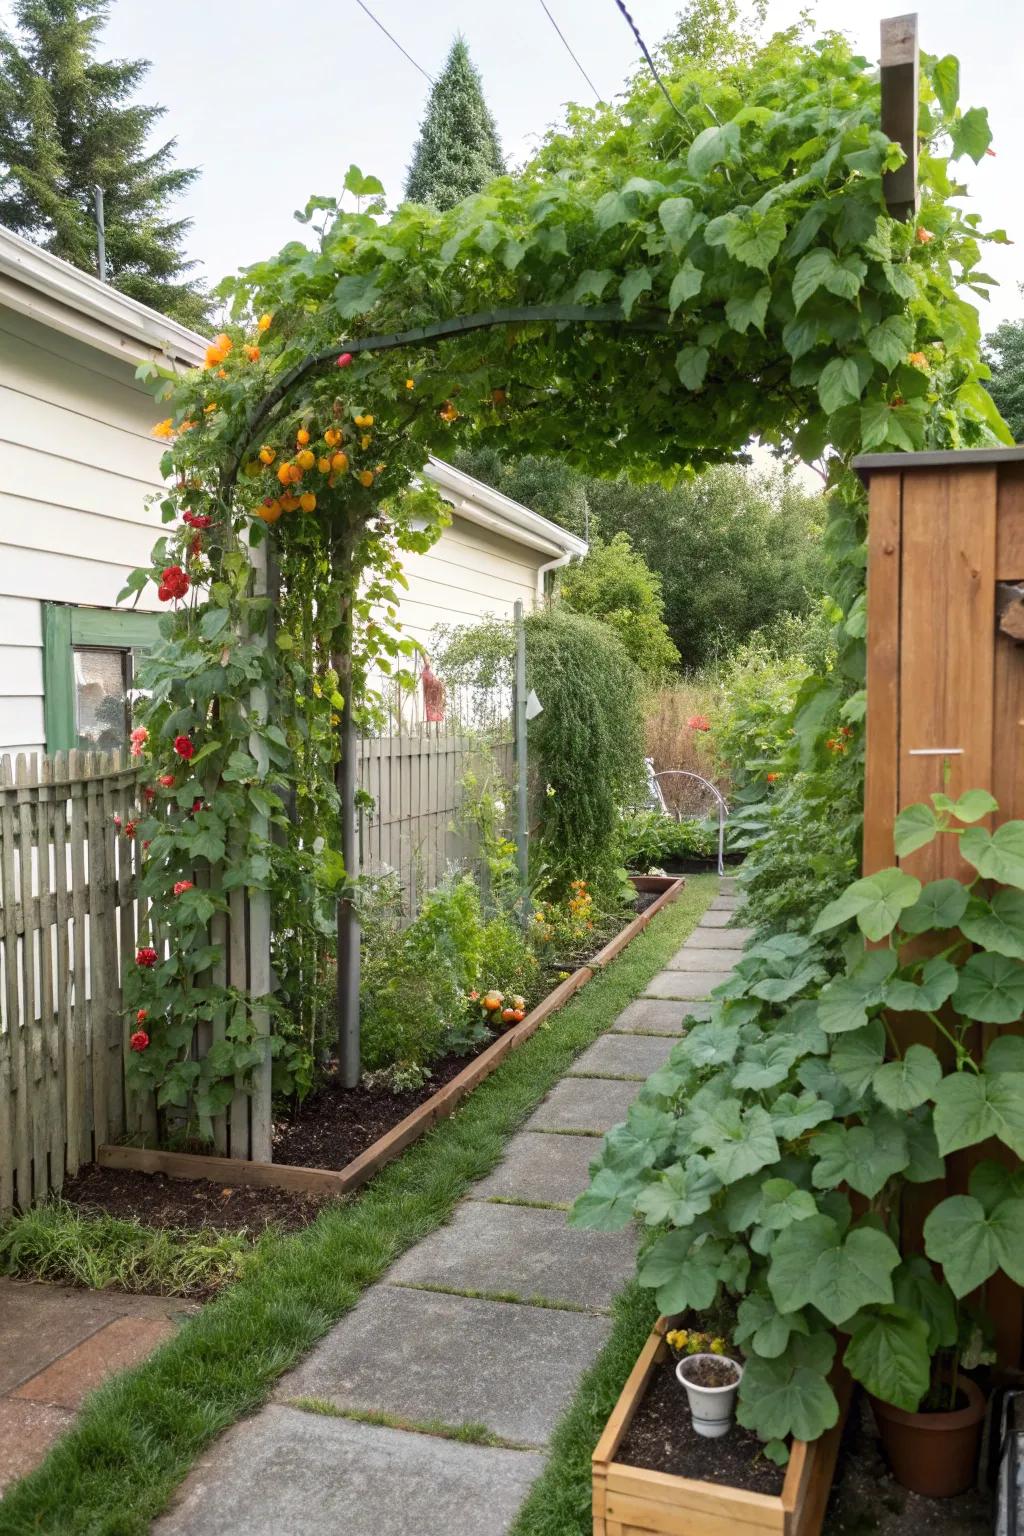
259	923
346	779
899	110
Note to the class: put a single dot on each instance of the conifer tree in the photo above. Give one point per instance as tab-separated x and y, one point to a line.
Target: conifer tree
67	125
458	150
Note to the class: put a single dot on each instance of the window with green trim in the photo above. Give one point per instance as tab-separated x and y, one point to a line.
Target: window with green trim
89	657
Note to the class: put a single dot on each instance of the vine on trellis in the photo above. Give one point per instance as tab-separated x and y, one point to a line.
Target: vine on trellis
648	294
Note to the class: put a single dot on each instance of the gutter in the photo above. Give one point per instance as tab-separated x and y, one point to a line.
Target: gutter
480	503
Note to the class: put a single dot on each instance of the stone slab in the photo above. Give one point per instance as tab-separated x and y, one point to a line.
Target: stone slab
727	886
717	916
27	1431
287	1473
651	1016
578	1104
519	1251
688	986
724	904
552	1169
120	1344
719	938
456	1359
717	959
39	1323
626	1056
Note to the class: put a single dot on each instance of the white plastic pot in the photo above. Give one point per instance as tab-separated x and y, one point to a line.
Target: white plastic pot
711	1408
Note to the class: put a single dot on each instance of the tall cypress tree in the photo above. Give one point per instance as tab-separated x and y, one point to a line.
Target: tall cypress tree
67	126
458	150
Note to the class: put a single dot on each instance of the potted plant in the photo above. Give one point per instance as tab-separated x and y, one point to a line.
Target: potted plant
710	1378
769	1158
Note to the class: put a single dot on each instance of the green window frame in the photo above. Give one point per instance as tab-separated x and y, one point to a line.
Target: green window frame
64	628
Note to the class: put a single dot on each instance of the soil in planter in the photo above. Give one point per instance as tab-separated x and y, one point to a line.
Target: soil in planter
192	1204
710	1373
662	1439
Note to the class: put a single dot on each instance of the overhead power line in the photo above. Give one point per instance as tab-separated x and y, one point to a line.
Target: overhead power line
651	64
568	49
393	39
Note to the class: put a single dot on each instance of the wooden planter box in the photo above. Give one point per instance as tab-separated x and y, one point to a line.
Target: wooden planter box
329	1181
632	1501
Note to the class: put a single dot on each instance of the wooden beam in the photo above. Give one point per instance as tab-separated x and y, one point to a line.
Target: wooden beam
899	110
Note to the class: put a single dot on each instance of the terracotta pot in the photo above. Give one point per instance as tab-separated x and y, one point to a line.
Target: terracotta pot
933	1453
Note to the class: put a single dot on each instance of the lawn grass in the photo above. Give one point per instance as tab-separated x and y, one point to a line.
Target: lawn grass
138	1435
56	1243
559	1504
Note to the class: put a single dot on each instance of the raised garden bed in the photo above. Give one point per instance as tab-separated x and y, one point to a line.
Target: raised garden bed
351	1174
632	1493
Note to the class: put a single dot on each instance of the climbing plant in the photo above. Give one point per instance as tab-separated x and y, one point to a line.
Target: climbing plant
660	284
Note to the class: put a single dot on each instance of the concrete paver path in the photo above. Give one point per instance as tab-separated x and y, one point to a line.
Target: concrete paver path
490	1322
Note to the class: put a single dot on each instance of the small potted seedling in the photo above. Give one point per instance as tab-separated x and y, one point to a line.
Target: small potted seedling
711	1379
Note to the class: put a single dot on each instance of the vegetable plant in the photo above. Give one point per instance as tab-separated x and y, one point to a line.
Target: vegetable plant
768	1158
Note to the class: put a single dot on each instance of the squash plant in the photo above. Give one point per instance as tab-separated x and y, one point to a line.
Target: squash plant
743	1154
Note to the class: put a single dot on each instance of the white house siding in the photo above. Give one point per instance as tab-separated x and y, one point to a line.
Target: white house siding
469	573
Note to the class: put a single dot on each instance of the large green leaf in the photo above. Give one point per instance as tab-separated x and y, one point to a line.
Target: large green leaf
972	805
844	1003
745	310
917	1290
904	1084
692	366
715	146
766	1064
812	1264
971	135
794	1114
876	902
683	1273
677	220
855	1057
678	1193
755	238
740	1140
769	1331
925	1163
778	1400
941	905
972	1106
938	982
840	384
685	285
635	282
863	1156
607	1206
971	1243
945	76
890	341
915	827
888	1353
990	989
997	855
997	926
712	1044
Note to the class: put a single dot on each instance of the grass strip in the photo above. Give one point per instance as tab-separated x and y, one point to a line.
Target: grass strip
137	1436
468	1434
559	1503
56	1243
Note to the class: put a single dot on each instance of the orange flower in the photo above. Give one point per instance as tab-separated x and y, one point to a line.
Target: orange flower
324	466
211	407
289	503
365	478
332	437
218	349
253	354
410	383
448	412
302	437
365	440
307	501
339	462
267	454
918	359
305	459
164	428
264	322
924	235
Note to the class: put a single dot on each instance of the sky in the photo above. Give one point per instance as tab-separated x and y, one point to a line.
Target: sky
274	101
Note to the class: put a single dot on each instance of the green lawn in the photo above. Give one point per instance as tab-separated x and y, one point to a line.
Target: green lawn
137	1436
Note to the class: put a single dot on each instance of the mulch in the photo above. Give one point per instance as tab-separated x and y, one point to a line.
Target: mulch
187	1204
662	1439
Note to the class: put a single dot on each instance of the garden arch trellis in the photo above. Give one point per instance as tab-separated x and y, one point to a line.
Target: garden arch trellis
773	295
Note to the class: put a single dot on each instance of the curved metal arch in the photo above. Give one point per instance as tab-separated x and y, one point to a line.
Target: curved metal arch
439	330
723	809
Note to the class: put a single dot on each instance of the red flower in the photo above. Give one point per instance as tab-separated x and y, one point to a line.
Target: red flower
197	805
139	1040
185	747
771	777
129	829
699	723
173	583
149	793
181	886
345	360
196	547
142	1016
167	780
197	519
117	821
145	956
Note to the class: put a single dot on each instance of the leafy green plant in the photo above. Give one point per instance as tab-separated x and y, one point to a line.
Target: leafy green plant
614	583
739	1153
650	839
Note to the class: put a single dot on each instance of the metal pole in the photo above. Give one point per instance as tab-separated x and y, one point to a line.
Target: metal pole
101	234
522	787
347	995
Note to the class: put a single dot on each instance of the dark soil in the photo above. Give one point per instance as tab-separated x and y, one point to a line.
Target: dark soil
192	1204
710	1373
867	1501
662	1438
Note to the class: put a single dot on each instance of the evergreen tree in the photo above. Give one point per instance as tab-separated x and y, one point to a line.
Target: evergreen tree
458	150
1004	353
67	126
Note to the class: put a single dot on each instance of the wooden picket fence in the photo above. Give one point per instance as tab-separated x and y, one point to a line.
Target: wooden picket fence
68	916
